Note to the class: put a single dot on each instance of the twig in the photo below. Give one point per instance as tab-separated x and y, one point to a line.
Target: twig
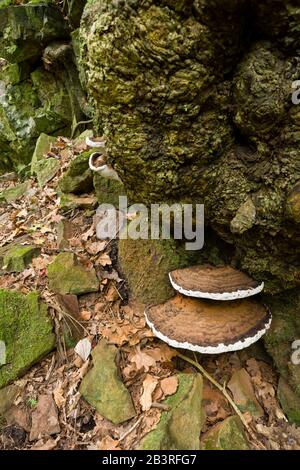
225	393
131	429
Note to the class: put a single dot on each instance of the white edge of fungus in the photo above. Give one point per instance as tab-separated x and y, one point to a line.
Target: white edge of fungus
221	348
97	169
93	144
239	294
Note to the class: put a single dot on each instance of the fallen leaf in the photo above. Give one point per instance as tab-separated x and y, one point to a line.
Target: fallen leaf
149	385
104	260
169	385
83	348
142	360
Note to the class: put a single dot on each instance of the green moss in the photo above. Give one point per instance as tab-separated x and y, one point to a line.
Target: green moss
26	331
18	258
71	202
103	389
284	330
15	193
108	191
179	428
146	265
67	276
228	435
78	178
289	401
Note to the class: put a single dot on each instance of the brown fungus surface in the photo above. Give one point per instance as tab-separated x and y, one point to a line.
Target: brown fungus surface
214	282
209	327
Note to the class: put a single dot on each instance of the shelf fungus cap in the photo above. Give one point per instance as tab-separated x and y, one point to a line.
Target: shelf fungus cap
215	283
209	327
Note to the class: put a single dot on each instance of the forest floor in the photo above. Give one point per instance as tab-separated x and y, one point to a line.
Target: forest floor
145	362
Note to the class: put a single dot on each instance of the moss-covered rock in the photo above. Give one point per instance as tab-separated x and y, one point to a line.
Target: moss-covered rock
7	398
15	193
25	29
289	401
146	265
180	427
66	275
71	201
108	191
78	178
19	257
285	329
227	435
26	330
103	389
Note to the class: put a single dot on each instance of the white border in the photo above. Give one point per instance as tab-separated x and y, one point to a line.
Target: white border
239	294
93	144
221	348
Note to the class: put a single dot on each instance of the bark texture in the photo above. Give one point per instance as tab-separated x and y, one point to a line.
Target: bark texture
195	98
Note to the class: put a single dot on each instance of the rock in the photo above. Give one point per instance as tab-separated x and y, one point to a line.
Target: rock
293	205
15	193
103	389
44	419
26	29
242	390
7	398
146	265
19	257
289	401
42	147
17	416
75	9
71	202
81	138
285	329
244	218
65	231
180	427
78	178
227	435
108	191
66	275
26	330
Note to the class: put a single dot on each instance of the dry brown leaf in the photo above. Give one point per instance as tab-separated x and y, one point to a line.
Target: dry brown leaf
149	385
169	385
104	260
108	443
95	247
142	360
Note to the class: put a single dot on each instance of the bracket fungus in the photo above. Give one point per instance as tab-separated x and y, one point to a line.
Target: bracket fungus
98	163
215	283
209	327
95	142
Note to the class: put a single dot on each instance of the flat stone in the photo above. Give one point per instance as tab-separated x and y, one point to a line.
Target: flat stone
67	276
242	390
78	178
180	427
43	146
289	401
26	330
15	193
19	257
65	231
7	398
103	389
44	419
227	435
71	202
